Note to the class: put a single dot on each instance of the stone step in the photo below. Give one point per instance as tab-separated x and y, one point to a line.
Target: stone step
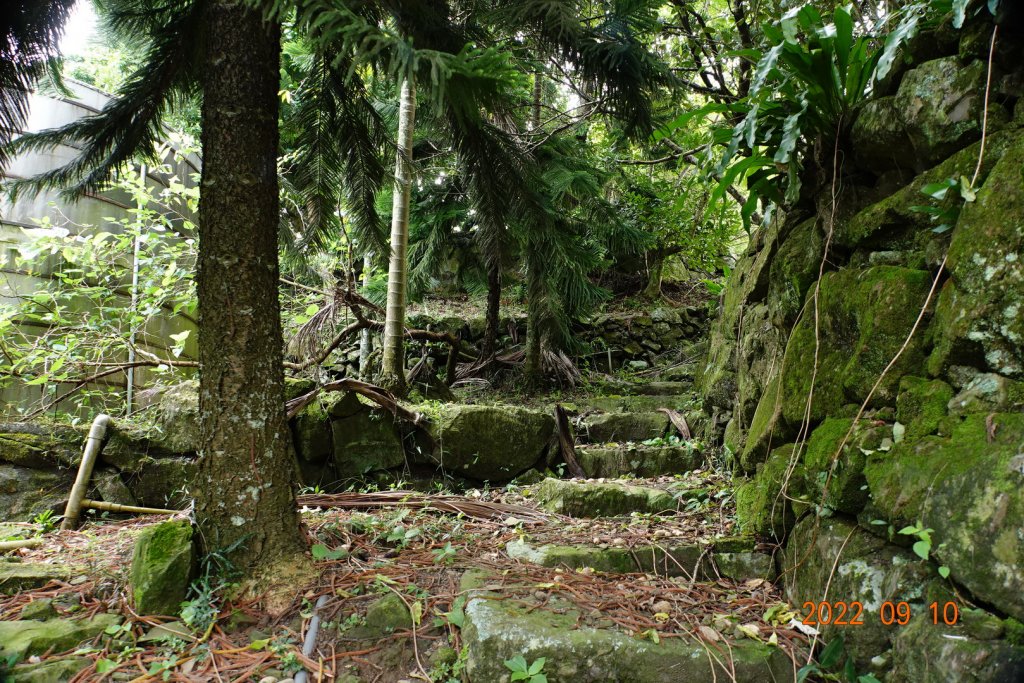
579	646
601	499
618	427
731	558
638	460
633	404
16	577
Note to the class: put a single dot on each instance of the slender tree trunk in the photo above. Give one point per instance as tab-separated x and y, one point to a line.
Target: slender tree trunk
534	341
538	95
534	335
393	365
490	343
245	503
364	336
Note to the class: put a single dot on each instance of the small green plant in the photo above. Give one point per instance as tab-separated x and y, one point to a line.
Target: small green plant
949	197
445	555
834	665
531	673
47	521
923	546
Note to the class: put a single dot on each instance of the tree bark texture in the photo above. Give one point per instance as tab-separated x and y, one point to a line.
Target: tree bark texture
245	502
490	343
393	363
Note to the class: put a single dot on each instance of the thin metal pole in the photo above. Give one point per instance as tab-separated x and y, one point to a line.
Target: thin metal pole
135	298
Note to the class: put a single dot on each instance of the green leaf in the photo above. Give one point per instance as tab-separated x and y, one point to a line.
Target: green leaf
536	667
966	191
105	665
832	653
944	571
181	336
938	190
517	664
909	530
894	41
312	310
922	548
322	552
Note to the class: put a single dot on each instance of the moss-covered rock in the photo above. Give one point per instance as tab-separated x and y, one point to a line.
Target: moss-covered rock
593	499
879	139
733	562
761	505
364	439
50	671
767	428
497	630
925	651
39	450
162	482
25	493
490	442
968	488
978	314
792	271
607	427
16	577
385	615
831	559
638	460
864	319
177	416
988	393
161	567
940	104
21	639
846	487
892	218
921	405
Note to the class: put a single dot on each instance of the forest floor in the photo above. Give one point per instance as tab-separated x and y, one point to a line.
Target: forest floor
420	557
596	579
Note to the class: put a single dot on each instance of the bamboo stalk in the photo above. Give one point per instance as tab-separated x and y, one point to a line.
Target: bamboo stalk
23	543
89	454
131	509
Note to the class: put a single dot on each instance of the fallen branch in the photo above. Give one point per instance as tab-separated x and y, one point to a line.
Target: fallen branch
382	397
475	509
679	422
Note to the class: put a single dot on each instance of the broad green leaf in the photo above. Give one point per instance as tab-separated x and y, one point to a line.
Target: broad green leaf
944	572
894	41
922	548
832	654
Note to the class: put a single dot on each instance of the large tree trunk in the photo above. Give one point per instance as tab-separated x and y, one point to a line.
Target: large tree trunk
393	364
245	503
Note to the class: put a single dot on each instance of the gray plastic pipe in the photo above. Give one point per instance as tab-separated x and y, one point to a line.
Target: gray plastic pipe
310	642
93	444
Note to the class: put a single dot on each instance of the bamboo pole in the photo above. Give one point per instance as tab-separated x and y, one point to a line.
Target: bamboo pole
131	509
23	543
92	449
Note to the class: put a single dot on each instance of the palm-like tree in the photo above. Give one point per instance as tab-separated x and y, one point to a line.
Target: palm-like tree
30	31
393	364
